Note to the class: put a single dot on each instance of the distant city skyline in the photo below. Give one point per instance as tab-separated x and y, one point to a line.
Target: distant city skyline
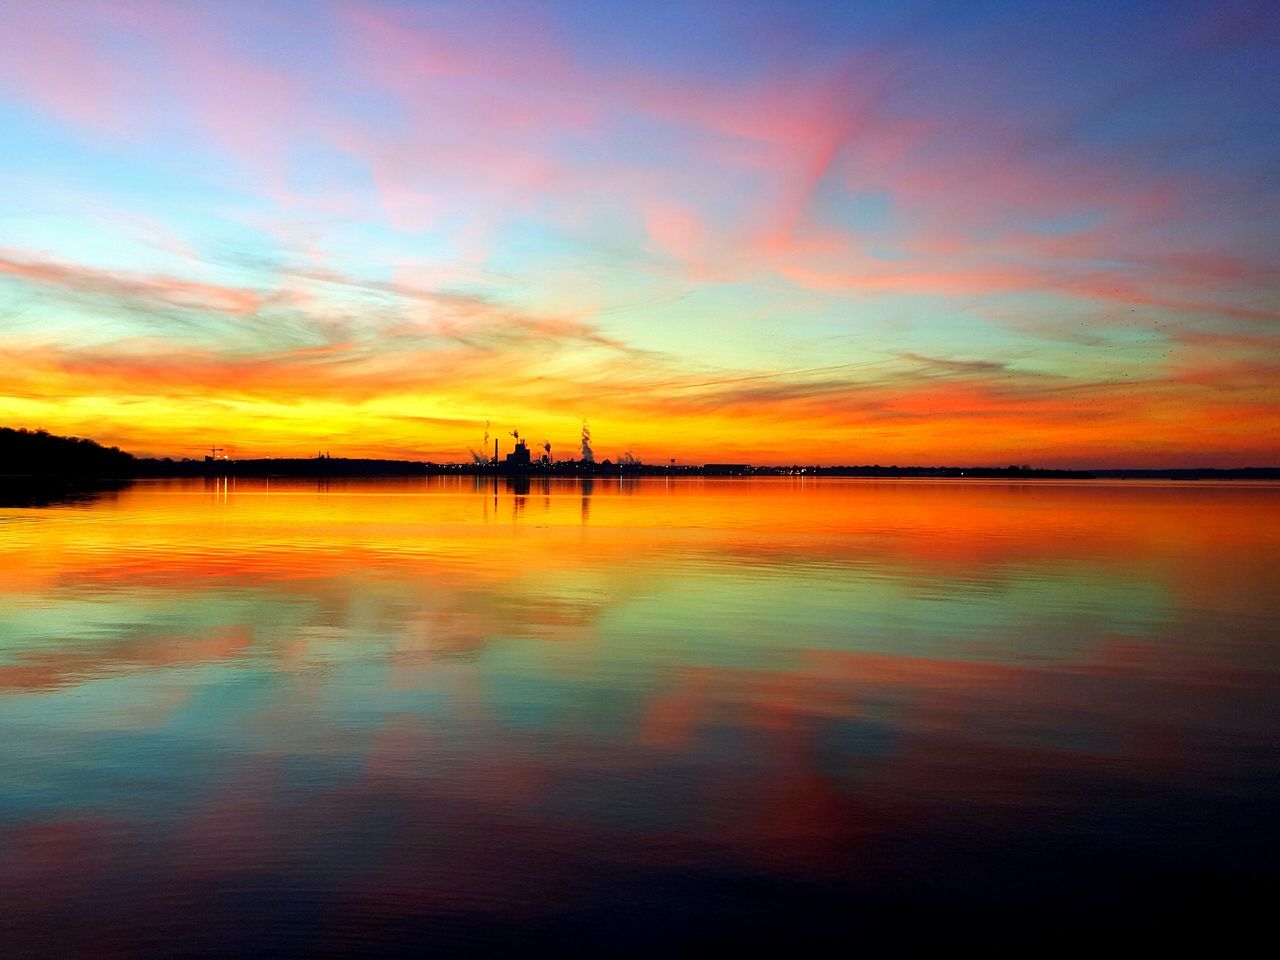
767	233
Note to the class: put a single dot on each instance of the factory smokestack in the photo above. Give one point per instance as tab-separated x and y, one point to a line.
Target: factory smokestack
587	455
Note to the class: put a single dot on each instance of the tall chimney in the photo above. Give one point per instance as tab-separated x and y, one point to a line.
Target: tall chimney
495	449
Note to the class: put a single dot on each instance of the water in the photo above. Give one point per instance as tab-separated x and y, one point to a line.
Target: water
378	717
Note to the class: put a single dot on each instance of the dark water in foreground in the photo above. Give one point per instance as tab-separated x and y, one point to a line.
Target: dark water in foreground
447	716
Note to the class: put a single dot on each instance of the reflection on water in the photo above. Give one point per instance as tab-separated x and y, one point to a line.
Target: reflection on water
46	492
332	717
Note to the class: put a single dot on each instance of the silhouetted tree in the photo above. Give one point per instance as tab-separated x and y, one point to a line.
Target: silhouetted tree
39	453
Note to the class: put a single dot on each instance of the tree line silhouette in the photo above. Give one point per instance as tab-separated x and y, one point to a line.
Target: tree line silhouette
39	453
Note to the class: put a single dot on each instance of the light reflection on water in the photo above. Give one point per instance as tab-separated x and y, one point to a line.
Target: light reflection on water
332	717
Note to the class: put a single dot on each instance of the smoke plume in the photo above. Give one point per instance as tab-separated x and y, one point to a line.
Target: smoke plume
587	455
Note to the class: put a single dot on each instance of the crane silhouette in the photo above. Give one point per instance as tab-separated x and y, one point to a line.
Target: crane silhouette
213	451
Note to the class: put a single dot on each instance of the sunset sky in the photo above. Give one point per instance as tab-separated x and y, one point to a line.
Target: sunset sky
948	232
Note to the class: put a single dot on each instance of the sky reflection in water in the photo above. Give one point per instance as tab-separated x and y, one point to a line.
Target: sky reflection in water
295	718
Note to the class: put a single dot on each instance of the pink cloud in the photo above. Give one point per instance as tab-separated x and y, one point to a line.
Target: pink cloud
89	281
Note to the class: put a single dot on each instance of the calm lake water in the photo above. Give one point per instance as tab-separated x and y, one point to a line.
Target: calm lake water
355	718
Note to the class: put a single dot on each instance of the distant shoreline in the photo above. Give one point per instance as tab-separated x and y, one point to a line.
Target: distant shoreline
35	457
352	468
